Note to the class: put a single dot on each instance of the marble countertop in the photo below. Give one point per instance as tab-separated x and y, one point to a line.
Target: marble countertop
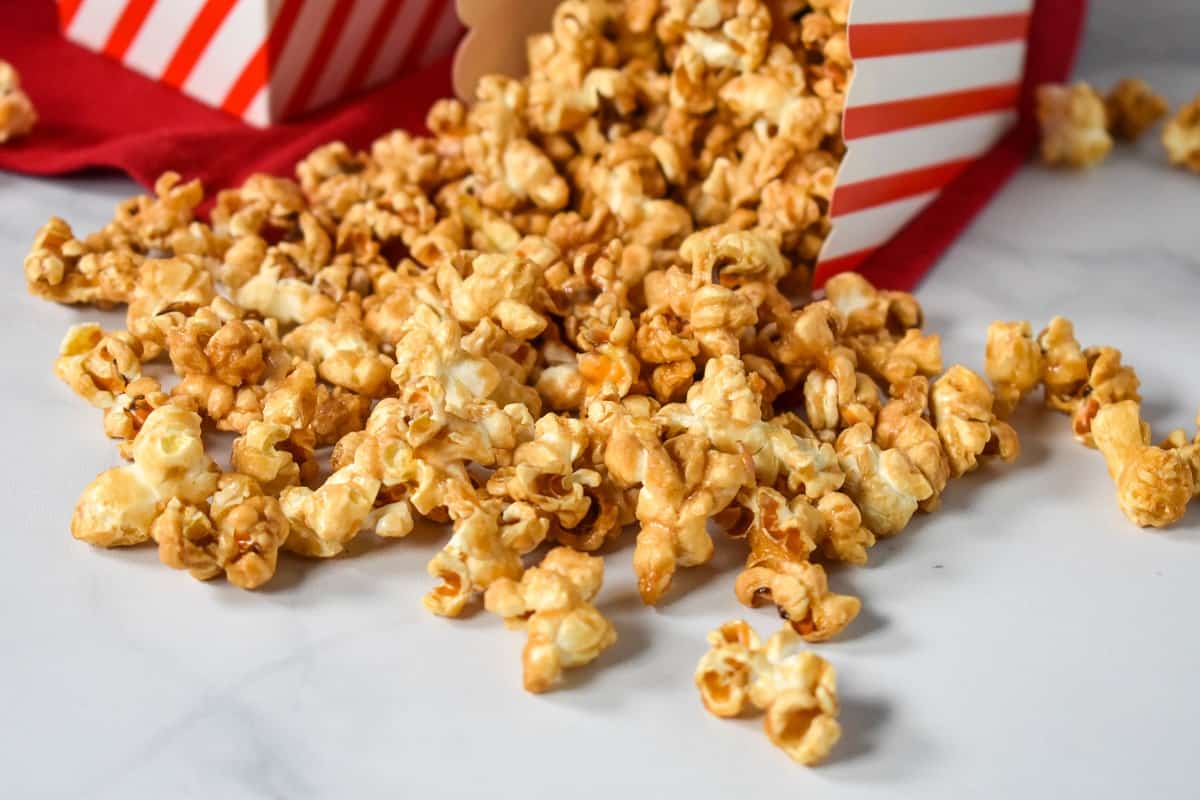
1024	641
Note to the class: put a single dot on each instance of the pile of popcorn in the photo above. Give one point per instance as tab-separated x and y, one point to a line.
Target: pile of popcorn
1079	125
581	306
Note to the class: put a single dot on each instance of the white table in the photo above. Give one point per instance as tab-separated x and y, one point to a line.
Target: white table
1024	641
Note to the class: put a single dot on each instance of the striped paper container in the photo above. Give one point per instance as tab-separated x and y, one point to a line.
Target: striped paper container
265	60
936	84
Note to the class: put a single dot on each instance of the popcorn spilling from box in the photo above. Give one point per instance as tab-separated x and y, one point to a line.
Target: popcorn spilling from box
583	307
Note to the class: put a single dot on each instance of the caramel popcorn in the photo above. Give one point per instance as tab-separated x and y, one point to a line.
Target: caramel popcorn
885	485
795	688
239	532
119	507
1132	107
17	115
552	601
800	590
1181	136
961	406
1154	485
98	366
66	270
1074	125
582	306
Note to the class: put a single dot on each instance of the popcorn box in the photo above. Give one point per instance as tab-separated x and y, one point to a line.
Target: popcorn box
937	86
265	60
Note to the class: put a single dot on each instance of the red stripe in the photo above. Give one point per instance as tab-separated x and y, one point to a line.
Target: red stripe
832	266
257	71
897	38
319	57
67	9
204	27
379	30
418	45
127	27
877	191
870	120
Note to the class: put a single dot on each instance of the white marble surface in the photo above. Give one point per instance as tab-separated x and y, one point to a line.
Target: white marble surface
1025	641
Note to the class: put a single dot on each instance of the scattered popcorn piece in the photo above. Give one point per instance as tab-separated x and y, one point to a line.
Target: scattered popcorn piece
961	406
238	532
98	366
17	115
1013	363
552	601
885	485
473	560
1181	136
1132	107
119	507
1074	125
1154	484
796	688
800	590
64	269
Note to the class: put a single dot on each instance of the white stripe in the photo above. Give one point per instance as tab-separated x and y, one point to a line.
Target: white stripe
161	34
878	80
867	11
94	22
354	36
444	35
873	226
294	58
889	153
233	45
258	113
396	44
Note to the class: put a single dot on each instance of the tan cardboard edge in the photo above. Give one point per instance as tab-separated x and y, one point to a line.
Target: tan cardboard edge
495	41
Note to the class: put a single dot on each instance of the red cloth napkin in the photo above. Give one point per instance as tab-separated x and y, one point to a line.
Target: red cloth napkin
93	112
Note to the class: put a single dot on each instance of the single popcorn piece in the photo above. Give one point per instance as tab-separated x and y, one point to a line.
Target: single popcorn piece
1013	364
17	115
1181	136
724	673
64	269
238	532
167	292
552	601
473	560
796	688
798	691
1154	485
1074	125
1132	107
98	366
800	590
904	425
1064	366
344	352
961	406
886	486
119	507
1109	381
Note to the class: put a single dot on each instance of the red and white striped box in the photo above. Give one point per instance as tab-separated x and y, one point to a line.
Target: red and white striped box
936	84
265	60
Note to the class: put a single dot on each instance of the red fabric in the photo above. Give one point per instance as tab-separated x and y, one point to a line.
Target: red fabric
1054	35
93	112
